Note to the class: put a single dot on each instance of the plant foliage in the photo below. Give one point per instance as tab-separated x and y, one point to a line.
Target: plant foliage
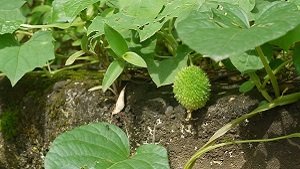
100	146
259	38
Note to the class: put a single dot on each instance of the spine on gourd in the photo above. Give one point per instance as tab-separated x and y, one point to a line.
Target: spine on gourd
192	88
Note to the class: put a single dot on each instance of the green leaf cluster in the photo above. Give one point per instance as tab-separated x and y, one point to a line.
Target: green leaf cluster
259	38
16	60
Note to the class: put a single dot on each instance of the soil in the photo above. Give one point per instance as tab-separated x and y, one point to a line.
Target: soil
44	107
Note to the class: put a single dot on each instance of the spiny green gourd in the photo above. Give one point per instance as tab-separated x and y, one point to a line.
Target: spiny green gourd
191	88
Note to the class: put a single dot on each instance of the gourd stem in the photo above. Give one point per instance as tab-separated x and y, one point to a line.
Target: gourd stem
269	71
262	90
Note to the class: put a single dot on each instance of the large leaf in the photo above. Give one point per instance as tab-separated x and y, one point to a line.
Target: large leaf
66	10
297	2
115	40
10	15
204	34
147	17
144	16
15	61
164	72
101	146
112	73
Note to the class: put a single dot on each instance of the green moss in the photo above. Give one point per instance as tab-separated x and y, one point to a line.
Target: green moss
77	75
8	124
191	88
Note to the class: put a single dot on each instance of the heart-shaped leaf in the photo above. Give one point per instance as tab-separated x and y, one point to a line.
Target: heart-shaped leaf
101	146
15	61
206	35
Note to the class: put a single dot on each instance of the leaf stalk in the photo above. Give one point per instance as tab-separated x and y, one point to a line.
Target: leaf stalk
269	71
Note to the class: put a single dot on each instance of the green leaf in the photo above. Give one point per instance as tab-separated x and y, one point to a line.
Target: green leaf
66	10
15	61
246	62
164	72
201	32
297	2
246	5
112	73
73	57
296	57
85	43
135	59
286	41
147	156
115	40
101	146
144	16
10	15
246	86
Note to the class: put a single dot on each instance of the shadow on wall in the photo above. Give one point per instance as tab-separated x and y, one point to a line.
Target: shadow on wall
282	154
22	124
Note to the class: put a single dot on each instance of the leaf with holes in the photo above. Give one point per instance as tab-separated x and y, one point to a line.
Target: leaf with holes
144	16
208	35
66	10
10	15
15	61
101	146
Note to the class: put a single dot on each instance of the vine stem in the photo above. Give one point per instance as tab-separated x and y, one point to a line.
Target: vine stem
56	25
262	90
269	71
280	101
189	165
72	67
172	41
280	67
